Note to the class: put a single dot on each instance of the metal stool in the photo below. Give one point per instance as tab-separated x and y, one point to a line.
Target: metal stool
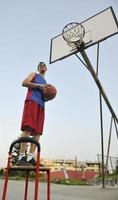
36	168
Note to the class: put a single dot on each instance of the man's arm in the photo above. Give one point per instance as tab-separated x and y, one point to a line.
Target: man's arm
27	82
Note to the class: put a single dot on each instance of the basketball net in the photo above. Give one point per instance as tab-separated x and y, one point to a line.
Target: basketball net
73	34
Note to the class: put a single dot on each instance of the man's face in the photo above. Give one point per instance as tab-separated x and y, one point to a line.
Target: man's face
42	68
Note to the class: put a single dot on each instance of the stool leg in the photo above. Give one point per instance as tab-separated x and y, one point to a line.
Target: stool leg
6	178
48	185
37	176
26	185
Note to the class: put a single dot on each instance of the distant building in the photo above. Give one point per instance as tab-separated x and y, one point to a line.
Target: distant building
72	169
68	164
93	166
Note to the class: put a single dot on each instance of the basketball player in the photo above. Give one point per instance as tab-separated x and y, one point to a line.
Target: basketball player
33	113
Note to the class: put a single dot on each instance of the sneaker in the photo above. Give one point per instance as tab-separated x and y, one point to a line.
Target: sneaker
32	162
23	161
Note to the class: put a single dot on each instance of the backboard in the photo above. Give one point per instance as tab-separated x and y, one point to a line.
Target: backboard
97	28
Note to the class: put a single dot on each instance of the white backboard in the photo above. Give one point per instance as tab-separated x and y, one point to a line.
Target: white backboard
97	28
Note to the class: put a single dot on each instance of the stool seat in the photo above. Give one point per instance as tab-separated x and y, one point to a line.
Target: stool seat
29	168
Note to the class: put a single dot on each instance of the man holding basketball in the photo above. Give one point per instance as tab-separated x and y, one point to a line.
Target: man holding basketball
34	112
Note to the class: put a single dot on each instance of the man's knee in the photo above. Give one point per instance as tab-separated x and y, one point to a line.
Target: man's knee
25	133
36	137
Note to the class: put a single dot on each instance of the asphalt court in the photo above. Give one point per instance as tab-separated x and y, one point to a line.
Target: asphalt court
59	192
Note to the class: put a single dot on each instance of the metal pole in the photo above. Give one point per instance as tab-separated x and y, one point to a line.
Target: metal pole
48	185
26	185
99	164
102	94
102	141
75	167
111	164
91	69
116	128
101	123
109	145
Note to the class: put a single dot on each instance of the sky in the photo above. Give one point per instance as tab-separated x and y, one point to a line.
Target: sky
72	122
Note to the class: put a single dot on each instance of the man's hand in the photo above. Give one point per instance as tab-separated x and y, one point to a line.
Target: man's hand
43	86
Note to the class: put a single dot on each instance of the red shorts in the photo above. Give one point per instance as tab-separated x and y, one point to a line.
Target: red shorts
33	118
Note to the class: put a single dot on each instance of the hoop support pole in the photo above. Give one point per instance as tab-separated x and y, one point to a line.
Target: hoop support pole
91	69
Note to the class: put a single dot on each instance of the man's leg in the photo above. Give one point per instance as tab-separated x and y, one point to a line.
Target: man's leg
22	157
33	146
23	145
32	150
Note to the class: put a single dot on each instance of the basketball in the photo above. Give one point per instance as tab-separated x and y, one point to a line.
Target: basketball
49	92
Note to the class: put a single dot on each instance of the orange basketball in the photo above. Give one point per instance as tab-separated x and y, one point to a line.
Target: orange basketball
49	92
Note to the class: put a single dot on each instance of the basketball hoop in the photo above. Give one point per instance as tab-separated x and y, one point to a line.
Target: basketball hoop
73	33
